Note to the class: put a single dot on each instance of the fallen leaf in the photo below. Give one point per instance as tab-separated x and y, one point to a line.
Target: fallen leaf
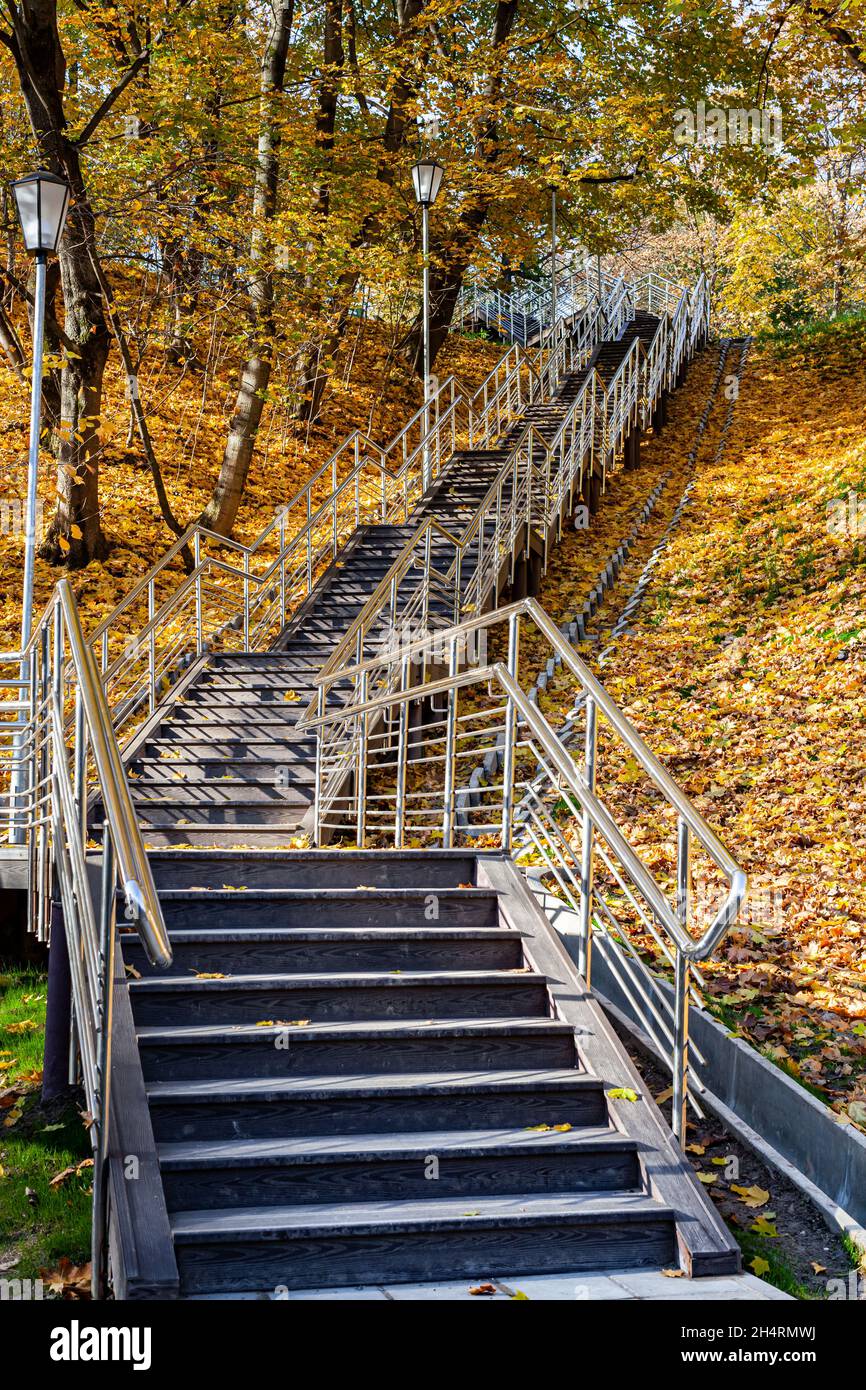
751	1196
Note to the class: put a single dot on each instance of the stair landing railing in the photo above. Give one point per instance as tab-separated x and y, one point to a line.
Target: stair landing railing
447	749
70	749
238	597
539	482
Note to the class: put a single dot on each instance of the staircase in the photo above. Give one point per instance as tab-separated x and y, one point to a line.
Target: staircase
364	1066
221	760
369	1067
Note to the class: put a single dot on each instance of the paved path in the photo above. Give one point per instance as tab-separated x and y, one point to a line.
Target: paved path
625	1287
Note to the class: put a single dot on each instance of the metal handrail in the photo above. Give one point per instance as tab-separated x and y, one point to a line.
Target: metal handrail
142	904
628	400
224	604
601	837
72	758
594	690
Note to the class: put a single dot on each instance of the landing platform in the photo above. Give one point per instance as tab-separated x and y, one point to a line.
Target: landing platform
629	1286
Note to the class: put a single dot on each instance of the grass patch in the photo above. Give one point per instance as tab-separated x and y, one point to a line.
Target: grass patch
780	1274
843	336
38	1223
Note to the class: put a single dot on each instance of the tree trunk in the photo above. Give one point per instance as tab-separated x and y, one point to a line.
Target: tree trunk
222	510
446	276
317	358
75	534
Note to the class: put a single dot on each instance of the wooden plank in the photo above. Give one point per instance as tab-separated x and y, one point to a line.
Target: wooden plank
140	1241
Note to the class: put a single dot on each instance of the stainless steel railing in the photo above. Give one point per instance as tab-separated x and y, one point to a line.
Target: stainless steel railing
71	756
389	776
238	597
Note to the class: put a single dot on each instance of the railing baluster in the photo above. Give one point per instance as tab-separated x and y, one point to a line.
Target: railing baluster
682	986
199	632
450	751
402	755
587	855
151	647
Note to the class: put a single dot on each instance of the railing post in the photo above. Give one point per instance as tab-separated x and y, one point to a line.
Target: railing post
41	775
80	769
450	750
320	738
103	1055
510	736
587	857
335	538
246	601
402	754
309	542
199	635
282	542
361	766
682	986
151	647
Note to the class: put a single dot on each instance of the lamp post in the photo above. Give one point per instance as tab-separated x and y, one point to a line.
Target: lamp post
427	178
42	200
553	259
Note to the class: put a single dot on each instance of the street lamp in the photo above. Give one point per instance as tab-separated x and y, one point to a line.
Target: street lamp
427	178
43	201
553	259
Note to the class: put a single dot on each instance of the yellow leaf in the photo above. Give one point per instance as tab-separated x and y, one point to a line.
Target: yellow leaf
763	1227
751	1196
759	1266
622	1093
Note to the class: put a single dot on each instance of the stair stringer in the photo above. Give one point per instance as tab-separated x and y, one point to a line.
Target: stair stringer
706	1248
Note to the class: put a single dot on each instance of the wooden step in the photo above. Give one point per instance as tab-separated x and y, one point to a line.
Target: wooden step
304	950
358	1103
348	996
427	869
413	1241
330	907
306	1170
163	814
349	1048
282	763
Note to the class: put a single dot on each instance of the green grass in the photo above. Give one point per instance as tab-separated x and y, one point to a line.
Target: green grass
36	1143
780	1274
818	335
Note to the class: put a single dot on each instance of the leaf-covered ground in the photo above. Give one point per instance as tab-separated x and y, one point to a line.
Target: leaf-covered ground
372	389
744	671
